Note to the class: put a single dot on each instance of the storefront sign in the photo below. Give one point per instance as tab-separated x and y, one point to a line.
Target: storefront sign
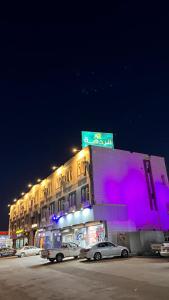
19	231
99	139
3	232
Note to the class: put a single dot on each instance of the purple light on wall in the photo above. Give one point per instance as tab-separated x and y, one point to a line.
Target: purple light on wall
119	178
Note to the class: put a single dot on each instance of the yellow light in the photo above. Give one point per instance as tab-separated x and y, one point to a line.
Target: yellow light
39	180
59	171
30	185
22	194
14	200
81	154
9	205
75	150
54	168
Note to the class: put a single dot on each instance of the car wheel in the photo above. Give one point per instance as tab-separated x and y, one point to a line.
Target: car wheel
76	257
51	260
97	256
22	254
59	257
124	253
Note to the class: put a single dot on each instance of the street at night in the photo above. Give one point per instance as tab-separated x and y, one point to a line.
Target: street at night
132	278
84	157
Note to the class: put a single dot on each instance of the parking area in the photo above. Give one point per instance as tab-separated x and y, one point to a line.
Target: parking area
131	278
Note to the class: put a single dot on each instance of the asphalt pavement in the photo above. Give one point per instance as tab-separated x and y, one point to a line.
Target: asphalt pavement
31	278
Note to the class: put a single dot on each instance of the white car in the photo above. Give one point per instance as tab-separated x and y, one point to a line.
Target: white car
164	250
58	254
28	251
103	250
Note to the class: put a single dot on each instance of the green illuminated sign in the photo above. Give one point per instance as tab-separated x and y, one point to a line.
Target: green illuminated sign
100	139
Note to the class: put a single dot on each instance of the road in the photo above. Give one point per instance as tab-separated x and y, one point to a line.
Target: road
31	278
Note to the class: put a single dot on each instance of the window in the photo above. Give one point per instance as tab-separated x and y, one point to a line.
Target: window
163	179
101	245
85	193
68	175
109	244
44	212
72	199
81	167
61	204
73	245
52	208
150	184
64	246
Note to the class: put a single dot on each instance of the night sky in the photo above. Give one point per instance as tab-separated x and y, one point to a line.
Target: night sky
69	69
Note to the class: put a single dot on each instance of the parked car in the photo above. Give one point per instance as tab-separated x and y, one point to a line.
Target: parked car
104	250
155	248
7	252
28	251
58	254
164	249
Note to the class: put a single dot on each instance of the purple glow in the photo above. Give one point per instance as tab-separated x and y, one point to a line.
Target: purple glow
119	179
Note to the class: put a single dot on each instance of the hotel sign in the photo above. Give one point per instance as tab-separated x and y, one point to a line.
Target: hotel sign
99	139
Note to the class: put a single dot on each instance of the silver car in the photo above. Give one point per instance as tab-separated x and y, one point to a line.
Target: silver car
28	251
103	250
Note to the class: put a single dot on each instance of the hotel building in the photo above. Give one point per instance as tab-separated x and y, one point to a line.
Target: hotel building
99	194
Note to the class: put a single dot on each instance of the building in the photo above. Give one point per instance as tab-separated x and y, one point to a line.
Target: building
99	194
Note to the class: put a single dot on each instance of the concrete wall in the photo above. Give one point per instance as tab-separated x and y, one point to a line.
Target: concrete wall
119	179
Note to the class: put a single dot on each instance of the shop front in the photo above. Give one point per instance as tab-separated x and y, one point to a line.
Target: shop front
81	234
78	227
5	241
84	234
20	239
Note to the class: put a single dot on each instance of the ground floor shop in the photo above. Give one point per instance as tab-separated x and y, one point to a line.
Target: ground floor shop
81	234
92	225
22	238
19	242
5	240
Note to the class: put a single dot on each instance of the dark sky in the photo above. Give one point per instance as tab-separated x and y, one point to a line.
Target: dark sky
67	69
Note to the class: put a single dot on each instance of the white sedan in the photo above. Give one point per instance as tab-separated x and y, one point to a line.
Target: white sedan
28	251
103	250
165	250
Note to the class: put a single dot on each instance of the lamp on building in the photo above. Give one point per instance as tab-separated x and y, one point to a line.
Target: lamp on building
29	185
14	200
75	150
54	168
9	205
22	194
39	180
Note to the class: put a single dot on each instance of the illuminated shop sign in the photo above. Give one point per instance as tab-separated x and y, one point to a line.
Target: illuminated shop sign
19	231
3	232
99	139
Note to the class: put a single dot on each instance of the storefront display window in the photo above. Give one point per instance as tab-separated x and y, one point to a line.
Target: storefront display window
96	234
